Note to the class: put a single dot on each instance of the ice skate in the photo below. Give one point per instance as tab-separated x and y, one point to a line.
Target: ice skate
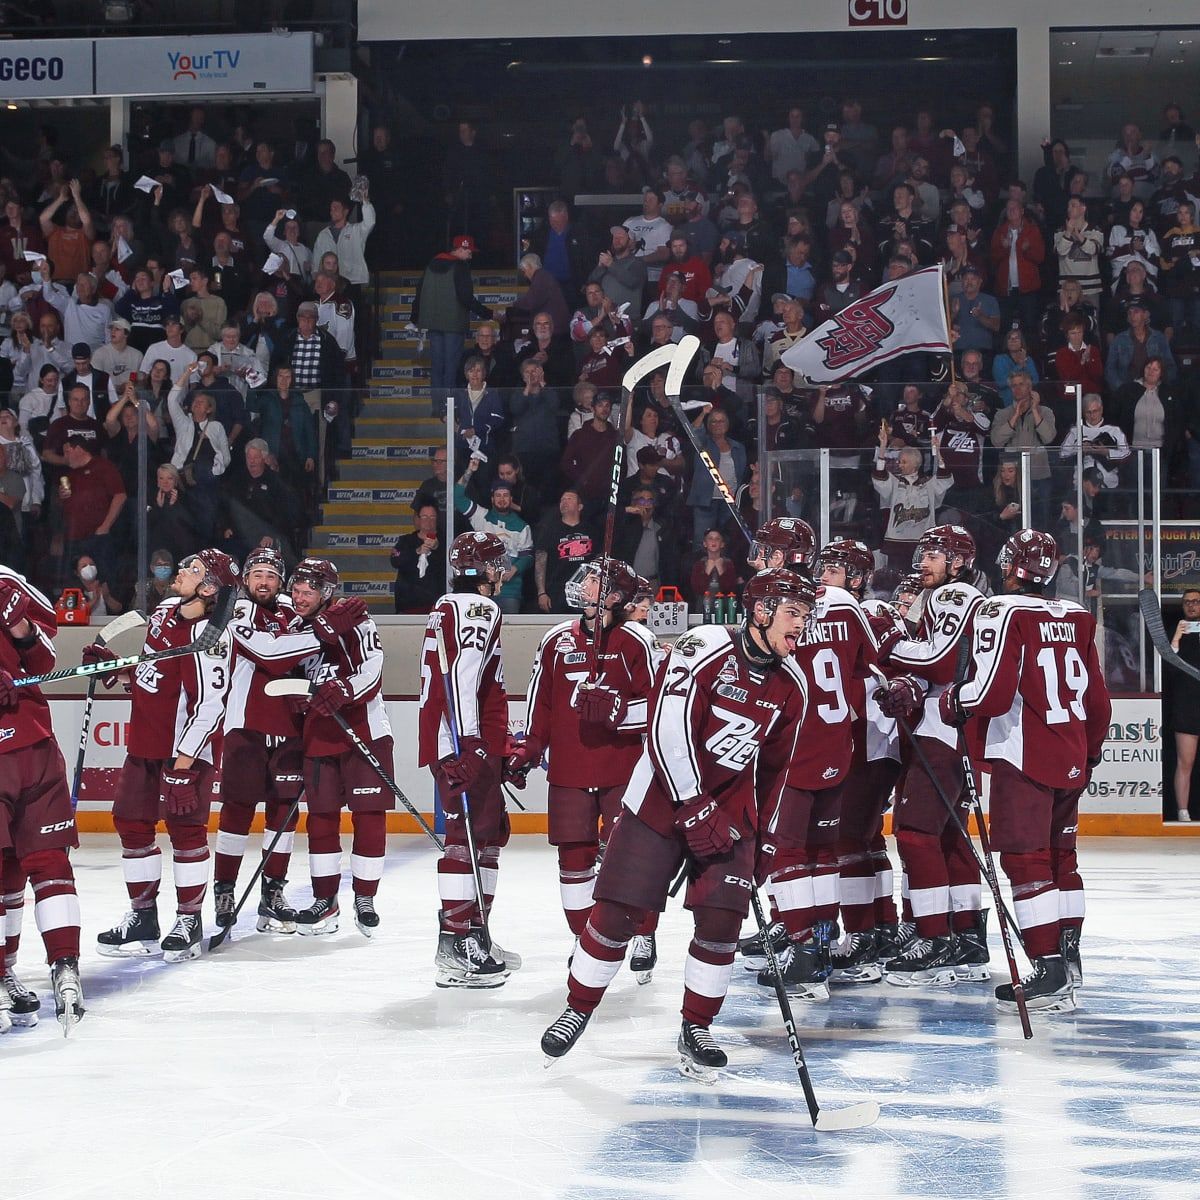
563	1033
699	1055
1068	947
1047	988
856	959
321	916
891	941
805	968
928	961
462	962
6	1022
224	903
275	915
751	948
25	1004
365	916
183	942
135	935
971	952
643	955
68	992
510	960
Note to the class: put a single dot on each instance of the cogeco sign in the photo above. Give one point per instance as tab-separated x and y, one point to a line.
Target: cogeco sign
46	69
38	69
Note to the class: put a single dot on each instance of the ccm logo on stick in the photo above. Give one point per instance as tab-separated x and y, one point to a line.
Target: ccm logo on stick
878	12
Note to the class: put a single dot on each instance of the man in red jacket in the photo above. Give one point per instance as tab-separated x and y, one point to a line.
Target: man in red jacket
1017	253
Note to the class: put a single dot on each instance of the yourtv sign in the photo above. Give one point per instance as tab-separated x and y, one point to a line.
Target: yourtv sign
186	67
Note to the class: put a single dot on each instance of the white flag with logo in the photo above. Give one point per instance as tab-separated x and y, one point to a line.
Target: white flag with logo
906	315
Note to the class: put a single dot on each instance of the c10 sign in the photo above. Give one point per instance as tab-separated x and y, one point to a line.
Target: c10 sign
878	12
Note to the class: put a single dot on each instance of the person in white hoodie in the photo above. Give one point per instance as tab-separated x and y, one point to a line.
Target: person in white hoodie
347	239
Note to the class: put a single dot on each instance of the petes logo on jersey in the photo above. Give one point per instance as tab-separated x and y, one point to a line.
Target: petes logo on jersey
5	734
857	331
735	744
830	773
148	677
1074	773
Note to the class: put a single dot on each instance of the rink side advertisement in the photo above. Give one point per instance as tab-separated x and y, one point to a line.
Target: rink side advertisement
1123	797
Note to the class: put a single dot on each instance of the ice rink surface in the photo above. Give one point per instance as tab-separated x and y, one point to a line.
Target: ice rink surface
332	1067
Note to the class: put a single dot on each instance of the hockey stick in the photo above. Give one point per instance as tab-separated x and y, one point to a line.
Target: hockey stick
1152	619
218	938
511	797
856	1116
209	636
117	626
1007	922
302	687
452	722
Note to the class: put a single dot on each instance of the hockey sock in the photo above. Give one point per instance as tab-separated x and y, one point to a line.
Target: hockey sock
456	887
489	873
55	904
325	853
233	832
928	882
885	882
1035	900
189	844
963	872
600	952
649	923
906	912
709	964
1071	903
576	878
856	875
281	856
141	861
792	890
12	897
366	851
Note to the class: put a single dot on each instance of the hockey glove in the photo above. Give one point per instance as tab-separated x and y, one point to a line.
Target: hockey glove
707	829
950	710
337	620
883	623
14	605
900	697
332	695
96	653
524	756
462	771
9	695
181	790
888	642
600	705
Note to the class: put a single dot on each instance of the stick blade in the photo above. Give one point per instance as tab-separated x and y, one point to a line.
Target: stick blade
217	940
685	351
840	1120
287	687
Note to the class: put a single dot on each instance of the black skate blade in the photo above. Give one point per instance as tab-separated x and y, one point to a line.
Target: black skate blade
840	1120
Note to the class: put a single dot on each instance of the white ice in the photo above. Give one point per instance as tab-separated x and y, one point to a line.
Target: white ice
332	1067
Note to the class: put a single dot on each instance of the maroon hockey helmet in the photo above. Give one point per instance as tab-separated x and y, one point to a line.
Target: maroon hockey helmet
643	592
472	555
775	585
953	541
1032	556
319	574
789	536
220	571
620	580
851	555
266	557
909	585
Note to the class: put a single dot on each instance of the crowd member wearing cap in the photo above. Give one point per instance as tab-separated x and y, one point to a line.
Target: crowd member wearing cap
958	254
840	289
84	373
1131	349
974	315
117	360
1133	283
621	274
825	167
171	349
544	294
500	519
444	303
85	315
651	233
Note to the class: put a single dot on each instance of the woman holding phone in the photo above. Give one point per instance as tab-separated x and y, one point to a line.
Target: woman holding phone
1185	696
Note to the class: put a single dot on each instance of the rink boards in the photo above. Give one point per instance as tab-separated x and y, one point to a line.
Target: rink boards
1124	796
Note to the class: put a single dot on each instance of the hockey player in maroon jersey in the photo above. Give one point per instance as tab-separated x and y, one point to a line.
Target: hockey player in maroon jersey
262	759
172	766
1038	679
942	876
470	621
594	731
347	679
799	833
36	822
728	705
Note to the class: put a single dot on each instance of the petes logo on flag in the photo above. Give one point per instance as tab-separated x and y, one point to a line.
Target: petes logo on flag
902	316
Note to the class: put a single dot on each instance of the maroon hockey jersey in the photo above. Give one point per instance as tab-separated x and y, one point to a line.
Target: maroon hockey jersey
357	660
28	721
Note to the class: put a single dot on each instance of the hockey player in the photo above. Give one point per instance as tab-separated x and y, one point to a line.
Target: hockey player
347	679
800	832
36	822
941	870
25	1002
593	729
729	702
172	768
262	759
1038	678
470	620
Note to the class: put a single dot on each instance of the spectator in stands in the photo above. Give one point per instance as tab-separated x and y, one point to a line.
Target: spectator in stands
1135	160
597	312
1068	302
231	408
562	249
1052	182
909	497
50	347
1077	361
713	573
796	276
621	274
1133	348
193	147
117	360
121	431
525	496
480	409
587	459
97	594
346	238
1017	252
84	373
290	248
317	367
544	295
171	349
731	460
975	316
420	562
563	541
91	495
1133	240
1181	269
1150	412
69	245
38	404
15	350
1015	357
75	422
1134	285
443	305
509	527
146	309
1027	424
1105	445
214	311
1005	517
433	490
283	419
17	236
980	391
201	453
646	541
1079	245
256	503
85	316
